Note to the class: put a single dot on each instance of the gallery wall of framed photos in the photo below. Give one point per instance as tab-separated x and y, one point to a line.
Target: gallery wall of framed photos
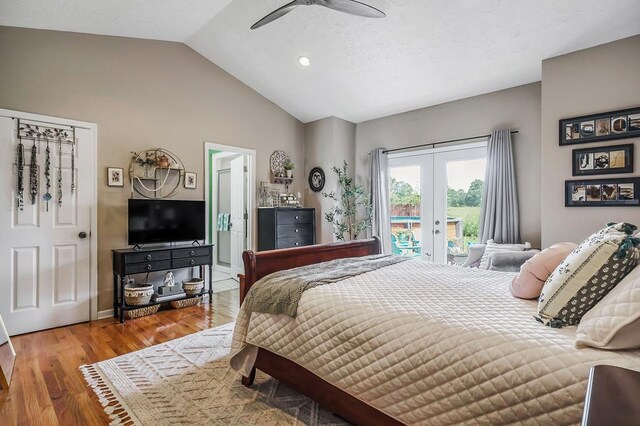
604	159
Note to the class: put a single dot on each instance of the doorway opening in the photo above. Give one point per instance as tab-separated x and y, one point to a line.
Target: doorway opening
229	173
435	201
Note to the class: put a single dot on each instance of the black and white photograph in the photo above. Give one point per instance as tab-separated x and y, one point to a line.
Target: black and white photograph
585	161
603	160
634	122
619	124
603	126
594	192
612	192
609	192
626	191
587	129
578	193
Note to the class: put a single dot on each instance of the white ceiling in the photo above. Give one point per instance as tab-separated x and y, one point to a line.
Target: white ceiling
172	20
423	53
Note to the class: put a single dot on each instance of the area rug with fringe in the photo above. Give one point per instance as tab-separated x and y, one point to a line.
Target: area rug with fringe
188	381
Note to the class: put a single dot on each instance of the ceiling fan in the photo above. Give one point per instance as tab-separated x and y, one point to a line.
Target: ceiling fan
352	7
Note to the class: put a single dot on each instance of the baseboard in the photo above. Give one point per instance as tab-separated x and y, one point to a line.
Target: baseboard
107	313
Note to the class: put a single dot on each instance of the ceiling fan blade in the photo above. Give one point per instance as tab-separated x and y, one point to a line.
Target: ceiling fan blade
278	13
353	7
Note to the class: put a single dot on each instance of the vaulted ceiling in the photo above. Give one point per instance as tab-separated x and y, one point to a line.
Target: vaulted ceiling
423	53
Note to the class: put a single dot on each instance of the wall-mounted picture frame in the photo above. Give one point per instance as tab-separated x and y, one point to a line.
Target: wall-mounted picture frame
603	160
115	176
612	192
190	180
600	127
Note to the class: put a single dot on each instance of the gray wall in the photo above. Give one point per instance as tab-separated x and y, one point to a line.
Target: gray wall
516	108
142	94
599	79
327	143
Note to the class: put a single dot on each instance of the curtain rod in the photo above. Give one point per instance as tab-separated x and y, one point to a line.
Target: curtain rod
432	144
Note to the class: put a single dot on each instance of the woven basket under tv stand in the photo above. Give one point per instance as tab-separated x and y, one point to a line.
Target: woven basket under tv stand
131	261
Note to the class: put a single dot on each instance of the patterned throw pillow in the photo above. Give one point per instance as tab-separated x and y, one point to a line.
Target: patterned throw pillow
587	274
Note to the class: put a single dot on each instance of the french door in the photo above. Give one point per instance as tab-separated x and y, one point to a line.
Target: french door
435	201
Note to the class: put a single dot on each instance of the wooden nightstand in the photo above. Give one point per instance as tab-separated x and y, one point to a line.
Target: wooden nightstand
613	397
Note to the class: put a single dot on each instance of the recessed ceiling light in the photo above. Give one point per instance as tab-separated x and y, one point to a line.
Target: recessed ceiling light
304	61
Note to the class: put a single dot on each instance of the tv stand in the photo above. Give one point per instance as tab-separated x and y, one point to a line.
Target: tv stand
134	260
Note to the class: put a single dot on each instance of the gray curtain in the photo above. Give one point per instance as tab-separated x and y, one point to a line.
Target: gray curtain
379	180
499	207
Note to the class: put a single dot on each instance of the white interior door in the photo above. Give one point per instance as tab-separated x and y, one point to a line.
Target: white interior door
421	225
45	269
237	215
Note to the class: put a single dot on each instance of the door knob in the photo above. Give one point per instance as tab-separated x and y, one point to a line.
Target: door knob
82	235
437	231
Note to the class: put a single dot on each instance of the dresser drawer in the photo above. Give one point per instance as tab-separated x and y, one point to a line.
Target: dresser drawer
185	262
295	231
285	217
150	256
283	243
136	268
190	252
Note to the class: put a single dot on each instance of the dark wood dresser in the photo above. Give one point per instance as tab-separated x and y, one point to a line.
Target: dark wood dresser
285	227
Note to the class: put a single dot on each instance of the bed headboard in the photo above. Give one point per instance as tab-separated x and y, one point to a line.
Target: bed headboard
258	265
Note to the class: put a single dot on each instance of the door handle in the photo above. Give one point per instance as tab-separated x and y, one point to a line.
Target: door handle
437	231
82	235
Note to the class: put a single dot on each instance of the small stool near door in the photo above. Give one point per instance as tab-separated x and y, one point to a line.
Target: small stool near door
7	357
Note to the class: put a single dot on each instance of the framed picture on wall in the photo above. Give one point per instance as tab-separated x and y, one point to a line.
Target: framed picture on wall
603	160
115	176
610	192
190	180
604	126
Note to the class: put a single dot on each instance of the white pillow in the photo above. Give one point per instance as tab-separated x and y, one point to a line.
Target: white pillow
493	247
614	323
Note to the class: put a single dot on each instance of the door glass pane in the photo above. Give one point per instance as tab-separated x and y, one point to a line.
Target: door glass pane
405	197
464	189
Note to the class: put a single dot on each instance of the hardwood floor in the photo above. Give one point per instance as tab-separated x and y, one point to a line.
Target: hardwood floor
48	389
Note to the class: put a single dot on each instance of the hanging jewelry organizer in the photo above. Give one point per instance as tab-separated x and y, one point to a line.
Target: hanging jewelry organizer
155	173
39	136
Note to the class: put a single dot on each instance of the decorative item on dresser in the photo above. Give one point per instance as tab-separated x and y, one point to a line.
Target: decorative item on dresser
286	227
136	261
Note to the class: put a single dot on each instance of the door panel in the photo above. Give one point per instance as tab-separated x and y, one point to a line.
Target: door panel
237	215
47	271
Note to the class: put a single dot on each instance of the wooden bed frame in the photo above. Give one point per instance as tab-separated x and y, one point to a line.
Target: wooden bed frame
258	265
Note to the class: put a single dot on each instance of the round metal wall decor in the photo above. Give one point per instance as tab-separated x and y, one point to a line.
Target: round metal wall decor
155	173
316	179
277	163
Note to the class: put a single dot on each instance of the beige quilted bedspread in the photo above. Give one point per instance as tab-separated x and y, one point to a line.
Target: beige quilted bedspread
433	344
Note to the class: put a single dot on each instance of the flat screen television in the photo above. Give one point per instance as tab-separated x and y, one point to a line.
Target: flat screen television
165	221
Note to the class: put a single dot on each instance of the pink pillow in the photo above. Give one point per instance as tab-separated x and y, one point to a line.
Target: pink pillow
535	271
